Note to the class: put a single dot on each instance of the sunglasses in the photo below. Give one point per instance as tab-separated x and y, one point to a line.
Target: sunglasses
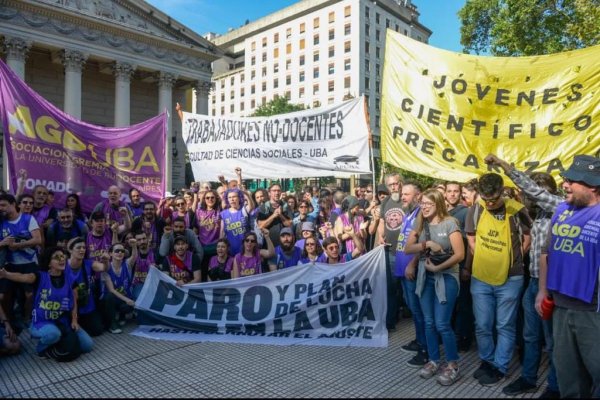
311	244
249	240
491	200
180	204
119	251
209	197
59	257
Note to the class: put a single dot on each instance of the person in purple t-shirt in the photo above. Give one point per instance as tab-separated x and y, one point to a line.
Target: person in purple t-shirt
248	261
100	238
220	265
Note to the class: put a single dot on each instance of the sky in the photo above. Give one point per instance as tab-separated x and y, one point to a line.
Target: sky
217	16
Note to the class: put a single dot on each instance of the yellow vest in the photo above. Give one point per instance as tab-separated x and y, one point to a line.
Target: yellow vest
493	255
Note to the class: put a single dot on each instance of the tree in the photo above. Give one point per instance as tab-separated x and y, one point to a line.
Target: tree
529	27
279	105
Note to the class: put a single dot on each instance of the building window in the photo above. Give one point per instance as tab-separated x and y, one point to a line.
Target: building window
288	64
367	48
315	88
242	92
287	94
276	52
242	78
347	82
331	68
263	100
264	42
302	27
222	83
331	86
276	67
252	103
366	11
316	104
377	103
231	108
377	51
275	83
301	61
301	93
288	33
315	72
288	79
264	57
316	55
377	35
378	84
242	106
397	28
253	60
264	86
347	11
332	17
252	89
377	121
301	44
367	66
377	18
253	46
316	39
222	97
331	51
387	23
315	23
288	48
347	47
276	38
367	83
214	112
231	95
331	34
405	32
347	64
347	29
367	29
222	110
301	76
377	69
252	74
330	100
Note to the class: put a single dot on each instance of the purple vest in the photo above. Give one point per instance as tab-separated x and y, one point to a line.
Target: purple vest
141	268
42	214
52	304
79	278
209	225
95	244
179	274
249	265
121	282
403	259
214	263
574	252
235	224
111	213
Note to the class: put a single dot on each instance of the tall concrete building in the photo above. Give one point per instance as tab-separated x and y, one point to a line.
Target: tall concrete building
315	52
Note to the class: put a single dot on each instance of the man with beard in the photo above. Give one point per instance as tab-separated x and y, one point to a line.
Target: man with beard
463	311
391	215
286	254
19	234
44	214
541	189
135	202
65	229
569	272
405	270
150	223
167	241
274	214
114	209
141	265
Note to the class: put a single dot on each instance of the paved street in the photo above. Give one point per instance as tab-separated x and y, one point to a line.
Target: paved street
128	366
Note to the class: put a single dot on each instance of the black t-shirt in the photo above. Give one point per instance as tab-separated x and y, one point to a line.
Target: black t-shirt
265	211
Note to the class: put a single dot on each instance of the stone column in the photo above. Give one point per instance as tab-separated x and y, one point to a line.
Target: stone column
123	72
166	80
201	92
16	50
73	60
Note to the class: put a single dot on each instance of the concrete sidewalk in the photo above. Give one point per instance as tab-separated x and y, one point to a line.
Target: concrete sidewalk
128	366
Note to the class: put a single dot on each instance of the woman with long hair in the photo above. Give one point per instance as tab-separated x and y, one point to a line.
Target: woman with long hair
55	305
182	209
208	220
72	202
438	241
248	261
312	251
220	265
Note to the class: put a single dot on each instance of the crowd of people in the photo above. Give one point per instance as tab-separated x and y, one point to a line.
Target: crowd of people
471	263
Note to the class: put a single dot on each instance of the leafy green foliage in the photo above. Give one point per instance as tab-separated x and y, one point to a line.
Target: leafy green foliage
279	105
532	27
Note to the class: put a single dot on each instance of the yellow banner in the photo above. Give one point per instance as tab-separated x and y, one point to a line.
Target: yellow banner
443	112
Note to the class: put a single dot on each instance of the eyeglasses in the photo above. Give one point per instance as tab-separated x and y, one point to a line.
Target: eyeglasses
119	251
249	240
491	200
209	197
425	204
59	257
180	204
333	247
310	244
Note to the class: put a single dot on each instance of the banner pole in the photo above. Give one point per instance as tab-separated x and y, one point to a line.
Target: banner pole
371	152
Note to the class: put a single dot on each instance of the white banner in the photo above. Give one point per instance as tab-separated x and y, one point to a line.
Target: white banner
309	143
320	304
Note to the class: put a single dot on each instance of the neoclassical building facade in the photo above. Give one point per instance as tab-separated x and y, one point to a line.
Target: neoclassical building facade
110	63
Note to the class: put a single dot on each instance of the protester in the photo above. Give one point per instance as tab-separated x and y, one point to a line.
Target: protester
569	273
470	193
541	189
221	264
60	232
248	261
115	209
438	240
145	259
312	251
181	264
182	210
83	273
135	203
116	297
55	306
235	218
74	204
498	232
100	238
350	218
286	253
167	241
333	255
274	214
208	217
25	203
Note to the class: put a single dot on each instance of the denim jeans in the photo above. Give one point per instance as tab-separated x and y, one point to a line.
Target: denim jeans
499	303
438	318
533	329
463	314
49	334
414	304
576	350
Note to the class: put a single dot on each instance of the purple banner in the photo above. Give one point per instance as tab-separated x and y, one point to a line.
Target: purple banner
70	156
